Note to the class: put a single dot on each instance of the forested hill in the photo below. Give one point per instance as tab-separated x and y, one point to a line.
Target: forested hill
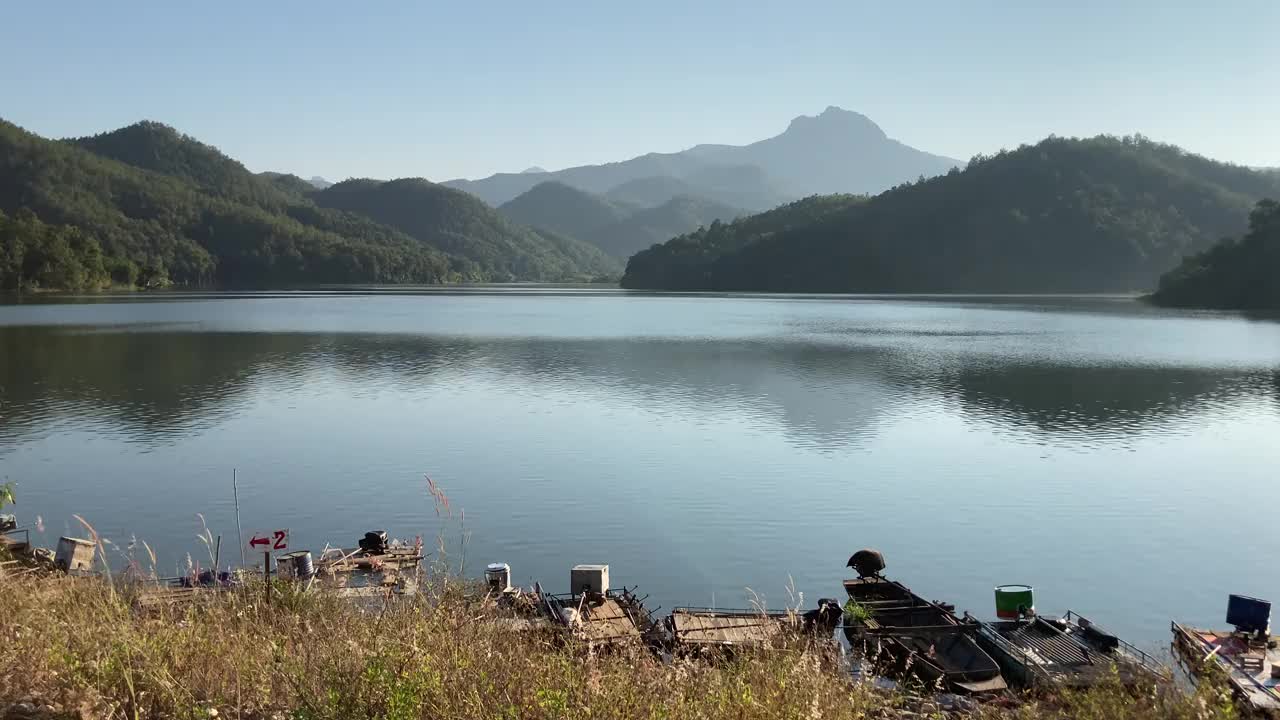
487	244
132	225
1065	215
148	205
685	262
645	228
564	209
157	147
1233	274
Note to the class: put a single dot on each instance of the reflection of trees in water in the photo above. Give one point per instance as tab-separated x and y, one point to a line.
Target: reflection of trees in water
827	396
157	386
1113	400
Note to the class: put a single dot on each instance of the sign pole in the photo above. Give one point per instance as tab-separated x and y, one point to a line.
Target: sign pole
235	490
266	541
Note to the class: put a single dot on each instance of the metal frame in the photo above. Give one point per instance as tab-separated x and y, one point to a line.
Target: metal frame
1136	654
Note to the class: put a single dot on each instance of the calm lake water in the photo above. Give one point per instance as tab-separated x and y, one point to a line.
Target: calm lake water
1123	460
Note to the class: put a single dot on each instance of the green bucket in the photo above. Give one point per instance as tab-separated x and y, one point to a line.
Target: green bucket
1011	599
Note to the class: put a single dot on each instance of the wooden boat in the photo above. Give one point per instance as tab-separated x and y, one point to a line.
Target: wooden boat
600	619
691	628
374	554
1039	651
1249	660
696	628
908	635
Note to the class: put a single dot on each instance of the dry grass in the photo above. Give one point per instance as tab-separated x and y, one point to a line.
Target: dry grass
71	644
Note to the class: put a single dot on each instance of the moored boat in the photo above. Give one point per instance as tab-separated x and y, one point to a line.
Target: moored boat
1035	650
1038	651
692	628
1248	654
907	635
596	614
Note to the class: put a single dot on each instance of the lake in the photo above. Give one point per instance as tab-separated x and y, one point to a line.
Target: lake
1121	459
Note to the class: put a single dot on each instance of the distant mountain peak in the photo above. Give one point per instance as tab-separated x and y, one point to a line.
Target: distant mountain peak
835	151
836	120
319	182
535	170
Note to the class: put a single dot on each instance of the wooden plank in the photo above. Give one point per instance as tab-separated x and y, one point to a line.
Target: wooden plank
710	628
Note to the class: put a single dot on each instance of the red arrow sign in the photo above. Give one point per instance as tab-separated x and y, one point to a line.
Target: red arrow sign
267	540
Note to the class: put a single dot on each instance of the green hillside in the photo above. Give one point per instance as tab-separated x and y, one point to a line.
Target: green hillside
1241	274
242	231
147	204
684	262
1065	215
489	246
563	209
645	228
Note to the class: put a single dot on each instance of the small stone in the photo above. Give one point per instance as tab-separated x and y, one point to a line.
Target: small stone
213	712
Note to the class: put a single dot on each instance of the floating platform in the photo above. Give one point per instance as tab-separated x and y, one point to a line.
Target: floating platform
1038	651
599	619
16	541
395	558
692	627
1251	663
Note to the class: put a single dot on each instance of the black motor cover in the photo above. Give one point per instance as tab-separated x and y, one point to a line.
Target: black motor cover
867	562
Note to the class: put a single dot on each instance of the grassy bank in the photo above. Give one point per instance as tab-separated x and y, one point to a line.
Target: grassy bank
77	648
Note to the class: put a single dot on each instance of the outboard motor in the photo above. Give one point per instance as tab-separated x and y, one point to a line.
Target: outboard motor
825	618
867	562
374	542
1099	638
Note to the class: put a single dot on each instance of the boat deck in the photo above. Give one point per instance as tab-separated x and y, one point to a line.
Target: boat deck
606	621
16	541
614	617
1045	652
344	561
921	638
706	627
1249	666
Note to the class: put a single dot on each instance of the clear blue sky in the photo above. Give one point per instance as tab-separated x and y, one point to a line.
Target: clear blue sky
449	89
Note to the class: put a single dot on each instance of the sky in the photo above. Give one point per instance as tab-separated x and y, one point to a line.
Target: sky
446	89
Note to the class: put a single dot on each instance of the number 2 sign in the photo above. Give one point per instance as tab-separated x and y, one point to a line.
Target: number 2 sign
269	540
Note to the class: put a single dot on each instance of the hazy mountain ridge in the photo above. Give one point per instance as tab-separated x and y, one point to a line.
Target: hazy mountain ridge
1065	215
835	152
563	209
619	229
838	151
